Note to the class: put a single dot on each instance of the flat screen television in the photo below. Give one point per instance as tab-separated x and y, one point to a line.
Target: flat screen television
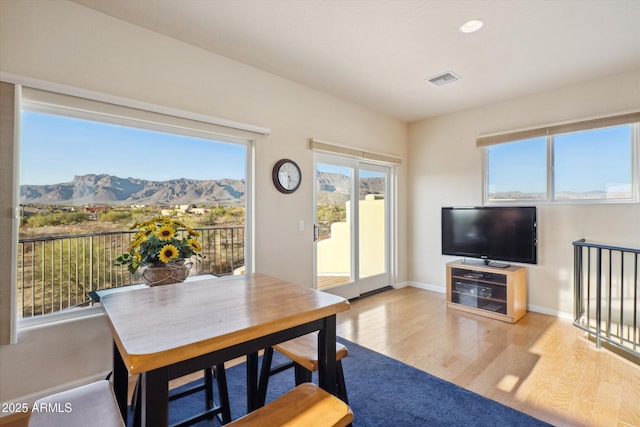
491	233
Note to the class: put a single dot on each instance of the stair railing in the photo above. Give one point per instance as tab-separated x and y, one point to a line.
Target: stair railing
606	289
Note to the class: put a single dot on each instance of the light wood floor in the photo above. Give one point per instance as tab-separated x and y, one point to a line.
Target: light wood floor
542	365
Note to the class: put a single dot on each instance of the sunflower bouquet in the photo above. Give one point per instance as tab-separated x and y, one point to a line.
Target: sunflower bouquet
156	243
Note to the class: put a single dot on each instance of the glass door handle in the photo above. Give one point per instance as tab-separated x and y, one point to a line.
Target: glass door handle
316	233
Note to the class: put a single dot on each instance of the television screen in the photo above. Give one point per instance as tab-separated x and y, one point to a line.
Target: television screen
490	233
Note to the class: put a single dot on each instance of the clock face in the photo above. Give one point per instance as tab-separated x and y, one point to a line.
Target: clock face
286	176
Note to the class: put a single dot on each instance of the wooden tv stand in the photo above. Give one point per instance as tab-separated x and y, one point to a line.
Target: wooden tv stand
499	293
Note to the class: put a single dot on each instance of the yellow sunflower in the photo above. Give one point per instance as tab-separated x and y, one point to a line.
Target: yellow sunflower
166	232
168	252
138	239
195	245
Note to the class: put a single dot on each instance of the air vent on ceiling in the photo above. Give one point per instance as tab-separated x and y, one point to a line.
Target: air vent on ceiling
444	78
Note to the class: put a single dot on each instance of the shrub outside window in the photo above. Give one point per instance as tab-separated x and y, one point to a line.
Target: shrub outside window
84	181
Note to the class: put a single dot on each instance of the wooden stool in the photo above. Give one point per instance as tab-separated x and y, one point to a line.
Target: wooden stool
303	351
307	405
223	410
89	405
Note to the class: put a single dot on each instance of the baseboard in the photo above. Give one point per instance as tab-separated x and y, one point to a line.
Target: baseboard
428	287
400	285
545	310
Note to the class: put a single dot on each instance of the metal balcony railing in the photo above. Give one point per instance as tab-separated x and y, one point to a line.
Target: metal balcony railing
606	295
57	273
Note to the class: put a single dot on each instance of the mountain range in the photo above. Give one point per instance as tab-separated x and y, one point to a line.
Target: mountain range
101	189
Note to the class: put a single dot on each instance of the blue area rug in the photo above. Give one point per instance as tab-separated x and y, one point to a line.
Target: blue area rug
382	392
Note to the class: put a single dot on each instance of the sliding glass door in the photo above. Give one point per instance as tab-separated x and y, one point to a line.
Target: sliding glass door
352	229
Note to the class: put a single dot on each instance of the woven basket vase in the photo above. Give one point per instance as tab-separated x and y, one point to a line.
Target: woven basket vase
168	274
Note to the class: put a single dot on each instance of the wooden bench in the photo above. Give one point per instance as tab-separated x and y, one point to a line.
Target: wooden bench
307	405
303	352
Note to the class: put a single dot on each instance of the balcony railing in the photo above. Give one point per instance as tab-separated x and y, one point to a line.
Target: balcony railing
57	273
607	299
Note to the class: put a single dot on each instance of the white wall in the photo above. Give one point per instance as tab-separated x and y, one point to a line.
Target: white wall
65	43
445	169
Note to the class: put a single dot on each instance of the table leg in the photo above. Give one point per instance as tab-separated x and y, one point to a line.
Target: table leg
155	398
252	381
120	382
327	356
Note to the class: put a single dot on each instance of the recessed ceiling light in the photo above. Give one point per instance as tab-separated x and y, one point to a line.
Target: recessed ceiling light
471	26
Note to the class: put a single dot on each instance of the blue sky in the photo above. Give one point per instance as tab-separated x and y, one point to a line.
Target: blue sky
595	160
584	161
54	149
344	170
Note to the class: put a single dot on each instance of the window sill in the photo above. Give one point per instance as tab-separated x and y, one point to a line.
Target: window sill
58	318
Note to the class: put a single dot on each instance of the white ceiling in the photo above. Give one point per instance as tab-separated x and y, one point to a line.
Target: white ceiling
378	53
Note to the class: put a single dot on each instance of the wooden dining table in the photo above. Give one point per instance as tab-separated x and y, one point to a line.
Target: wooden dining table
165	332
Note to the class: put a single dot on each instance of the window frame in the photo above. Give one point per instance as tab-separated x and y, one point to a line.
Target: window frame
9	129
550	173
150	118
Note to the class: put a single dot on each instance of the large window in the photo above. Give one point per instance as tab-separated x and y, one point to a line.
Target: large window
592	165
517	171
595	164
87	175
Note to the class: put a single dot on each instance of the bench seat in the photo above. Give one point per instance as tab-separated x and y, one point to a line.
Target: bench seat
307	405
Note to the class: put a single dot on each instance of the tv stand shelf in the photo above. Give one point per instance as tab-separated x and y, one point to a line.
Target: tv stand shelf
499	293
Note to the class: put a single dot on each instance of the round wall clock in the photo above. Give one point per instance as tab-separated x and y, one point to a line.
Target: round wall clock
286	176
